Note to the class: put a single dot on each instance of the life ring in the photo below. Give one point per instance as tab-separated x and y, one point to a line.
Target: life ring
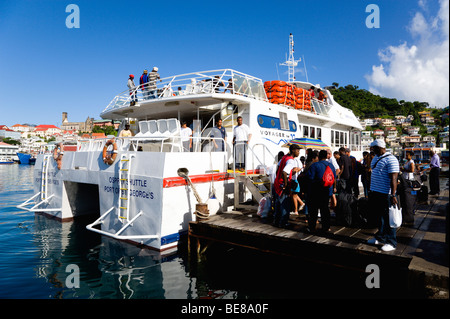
57	156
109	159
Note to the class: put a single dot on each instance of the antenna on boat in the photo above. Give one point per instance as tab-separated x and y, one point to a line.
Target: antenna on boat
304	64
291	63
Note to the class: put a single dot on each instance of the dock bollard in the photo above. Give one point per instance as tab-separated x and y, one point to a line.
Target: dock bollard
201	210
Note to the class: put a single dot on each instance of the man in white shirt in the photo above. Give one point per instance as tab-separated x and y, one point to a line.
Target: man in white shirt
186	137
241	138
126	132
132	89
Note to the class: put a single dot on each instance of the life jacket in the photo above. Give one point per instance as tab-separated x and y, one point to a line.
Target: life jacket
279	179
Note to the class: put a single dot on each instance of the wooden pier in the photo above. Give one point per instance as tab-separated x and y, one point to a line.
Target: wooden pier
341	246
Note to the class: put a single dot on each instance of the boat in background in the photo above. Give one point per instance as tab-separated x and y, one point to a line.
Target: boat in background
25	158
6	160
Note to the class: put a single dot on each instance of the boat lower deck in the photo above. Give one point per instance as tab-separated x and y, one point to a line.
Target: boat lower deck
342	246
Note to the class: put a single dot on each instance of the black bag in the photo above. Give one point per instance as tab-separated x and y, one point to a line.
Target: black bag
363	211
407	201
422	195
346	209
340	186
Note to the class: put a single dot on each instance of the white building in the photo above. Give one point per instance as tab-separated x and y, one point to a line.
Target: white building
8	152
413	130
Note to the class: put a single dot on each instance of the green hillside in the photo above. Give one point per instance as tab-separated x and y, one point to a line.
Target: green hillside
367	105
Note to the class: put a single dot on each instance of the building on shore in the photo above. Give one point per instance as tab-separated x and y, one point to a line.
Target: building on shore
85	126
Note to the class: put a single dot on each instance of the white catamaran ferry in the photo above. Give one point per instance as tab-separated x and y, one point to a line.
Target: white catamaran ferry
148	187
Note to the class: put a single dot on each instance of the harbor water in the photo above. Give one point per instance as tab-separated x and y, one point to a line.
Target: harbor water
40	256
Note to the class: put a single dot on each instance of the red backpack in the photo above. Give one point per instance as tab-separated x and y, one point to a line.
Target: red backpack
328	177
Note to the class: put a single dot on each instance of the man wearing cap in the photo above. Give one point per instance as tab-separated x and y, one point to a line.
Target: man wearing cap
383	186
152	78
143	82
132	88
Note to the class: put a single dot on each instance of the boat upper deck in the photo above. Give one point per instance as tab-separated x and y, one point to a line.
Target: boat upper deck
205	89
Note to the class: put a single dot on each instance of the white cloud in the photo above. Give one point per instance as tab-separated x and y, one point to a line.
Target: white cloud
420	71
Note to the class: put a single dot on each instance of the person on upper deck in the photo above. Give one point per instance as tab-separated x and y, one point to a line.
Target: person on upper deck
229	87
322	97
143	82
132	88
217	82
153	77
311	92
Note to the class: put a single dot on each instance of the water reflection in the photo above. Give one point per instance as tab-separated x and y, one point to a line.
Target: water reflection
108	268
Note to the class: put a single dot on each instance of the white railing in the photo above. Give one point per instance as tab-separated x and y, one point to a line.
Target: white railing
153	144
205	82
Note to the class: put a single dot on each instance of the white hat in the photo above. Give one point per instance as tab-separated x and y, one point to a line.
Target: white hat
155	69
378	142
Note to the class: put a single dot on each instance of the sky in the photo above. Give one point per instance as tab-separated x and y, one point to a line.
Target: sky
47	68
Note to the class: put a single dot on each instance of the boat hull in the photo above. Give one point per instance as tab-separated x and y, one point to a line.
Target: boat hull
163	200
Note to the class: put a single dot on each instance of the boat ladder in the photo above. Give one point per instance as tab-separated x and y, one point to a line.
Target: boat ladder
123	207
124	187
43	193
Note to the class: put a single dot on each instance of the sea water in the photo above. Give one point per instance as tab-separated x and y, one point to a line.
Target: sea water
38	255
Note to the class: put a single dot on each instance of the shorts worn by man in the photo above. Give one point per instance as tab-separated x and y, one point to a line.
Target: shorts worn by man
383	186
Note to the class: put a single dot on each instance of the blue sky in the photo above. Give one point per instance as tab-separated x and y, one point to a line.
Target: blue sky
47	68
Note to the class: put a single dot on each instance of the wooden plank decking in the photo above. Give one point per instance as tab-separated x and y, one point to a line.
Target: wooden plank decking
343	246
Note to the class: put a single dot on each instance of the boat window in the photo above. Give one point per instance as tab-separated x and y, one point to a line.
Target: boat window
284	123
332	137
305	131
312	132
319	133
341	139
336	139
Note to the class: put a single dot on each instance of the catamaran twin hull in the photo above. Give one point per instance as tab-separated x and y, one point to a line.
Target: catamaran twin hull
151	205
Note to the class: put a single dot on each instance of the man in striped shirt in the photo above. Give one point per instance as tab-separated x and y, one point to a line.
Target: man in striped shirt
152	78
383	186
